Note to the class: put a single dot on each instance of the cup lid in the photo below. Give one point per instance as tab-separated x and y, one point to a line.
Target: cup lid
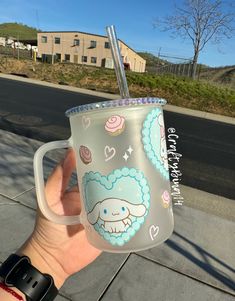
108	104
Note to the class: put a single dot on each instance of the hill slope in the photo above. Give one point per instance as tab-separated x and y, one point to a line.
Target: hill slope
16	30
220	75
152	60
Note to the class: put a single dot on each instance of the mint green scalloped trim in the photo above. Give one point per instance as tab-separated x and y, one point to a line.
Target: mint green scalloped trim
148	147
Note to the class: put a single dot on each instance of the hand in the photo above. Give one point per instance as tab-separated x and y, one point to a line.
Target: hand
60	250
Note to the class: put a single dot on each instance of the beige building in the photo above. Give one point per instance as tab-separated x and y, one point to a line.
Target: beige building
85	48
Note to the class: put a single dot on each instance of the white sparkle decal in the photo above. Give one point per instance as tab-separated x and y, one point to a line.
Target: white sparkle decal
125	157
130	150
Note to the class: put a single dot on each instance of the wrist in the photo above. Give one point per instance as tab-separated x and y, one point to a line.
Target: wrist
43	261
17	272
8	293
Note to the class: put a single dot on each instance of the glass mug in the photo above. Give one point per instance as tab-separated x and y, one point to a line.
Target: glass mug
123	176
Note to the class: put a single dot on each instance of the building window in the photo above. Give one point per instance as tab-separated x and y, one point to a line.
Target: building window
93	60
58	57
106	45
76	42
67	57
57	40
44	39
84	59
47	58
93	44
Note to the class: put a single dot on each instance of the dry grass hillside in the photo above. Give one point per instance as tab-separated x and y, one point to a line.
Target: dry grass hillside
220	75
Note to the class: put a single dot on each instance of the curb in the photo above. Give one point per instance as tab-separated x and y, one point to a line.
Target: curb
200	114
170	108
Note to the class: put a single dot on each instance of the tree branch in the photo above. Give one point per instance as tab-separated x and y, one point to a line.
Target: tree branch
200	21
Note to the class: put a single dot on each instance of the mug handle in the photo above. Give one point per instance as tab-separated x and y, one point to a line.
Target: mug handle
40	185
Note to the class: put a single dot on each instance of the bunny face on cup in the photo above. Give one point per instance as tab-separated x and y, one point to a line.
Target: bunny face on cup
115	214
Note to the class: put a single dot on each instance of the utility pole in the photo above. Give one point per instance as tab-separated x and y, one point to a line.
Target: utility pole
159	52
18	49
52	50
83	48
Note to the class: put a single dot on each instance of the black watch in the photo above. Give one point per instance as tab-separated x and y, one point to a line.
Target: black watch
17	271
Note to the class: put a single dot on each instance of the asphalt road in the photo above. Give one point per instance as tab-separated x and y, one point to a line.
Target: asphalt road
207	147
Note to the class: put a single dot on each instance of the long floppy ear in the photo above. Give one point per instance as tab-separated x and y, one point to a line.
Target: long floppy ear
137	210
94	214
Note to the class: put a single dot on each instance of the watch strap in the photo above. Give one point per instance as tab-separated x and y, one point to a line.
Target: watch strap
17	271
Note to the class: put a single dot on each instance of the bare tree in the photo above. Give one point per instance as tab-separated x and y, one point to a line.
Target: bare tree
200	21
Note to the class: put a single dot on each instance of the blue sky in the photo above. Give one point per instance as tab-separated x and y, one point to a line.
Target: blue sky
133	21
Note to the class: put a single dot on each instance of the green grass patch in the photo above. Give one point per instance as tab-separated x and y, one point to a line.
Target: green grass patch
18	30
186	92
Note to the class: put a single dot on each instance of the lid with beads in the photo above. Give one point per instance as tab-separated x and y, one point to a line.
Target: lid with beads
108	104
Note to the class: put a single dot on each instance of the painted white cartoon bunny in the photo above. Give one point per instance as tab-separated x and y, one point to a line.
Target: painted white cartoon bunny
115	214
163	149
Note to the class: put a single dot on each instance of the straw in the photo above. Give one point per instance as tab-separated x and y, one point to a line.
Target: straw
118	63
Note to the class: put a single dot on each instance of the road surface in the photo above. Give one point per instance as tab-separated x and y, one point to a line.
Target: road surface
207	147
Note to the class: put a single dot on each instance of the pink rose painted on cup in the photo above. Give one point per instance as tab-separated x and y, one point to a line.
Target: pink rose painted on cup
85	154
166	199
115	125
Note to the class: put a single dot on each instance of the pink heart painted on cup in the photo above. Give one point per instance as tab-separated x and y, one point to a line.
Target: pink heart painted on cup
109	152
86	122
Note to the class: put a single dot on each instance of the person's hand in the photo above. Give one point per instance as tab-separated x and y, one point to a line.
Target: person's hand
60	250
